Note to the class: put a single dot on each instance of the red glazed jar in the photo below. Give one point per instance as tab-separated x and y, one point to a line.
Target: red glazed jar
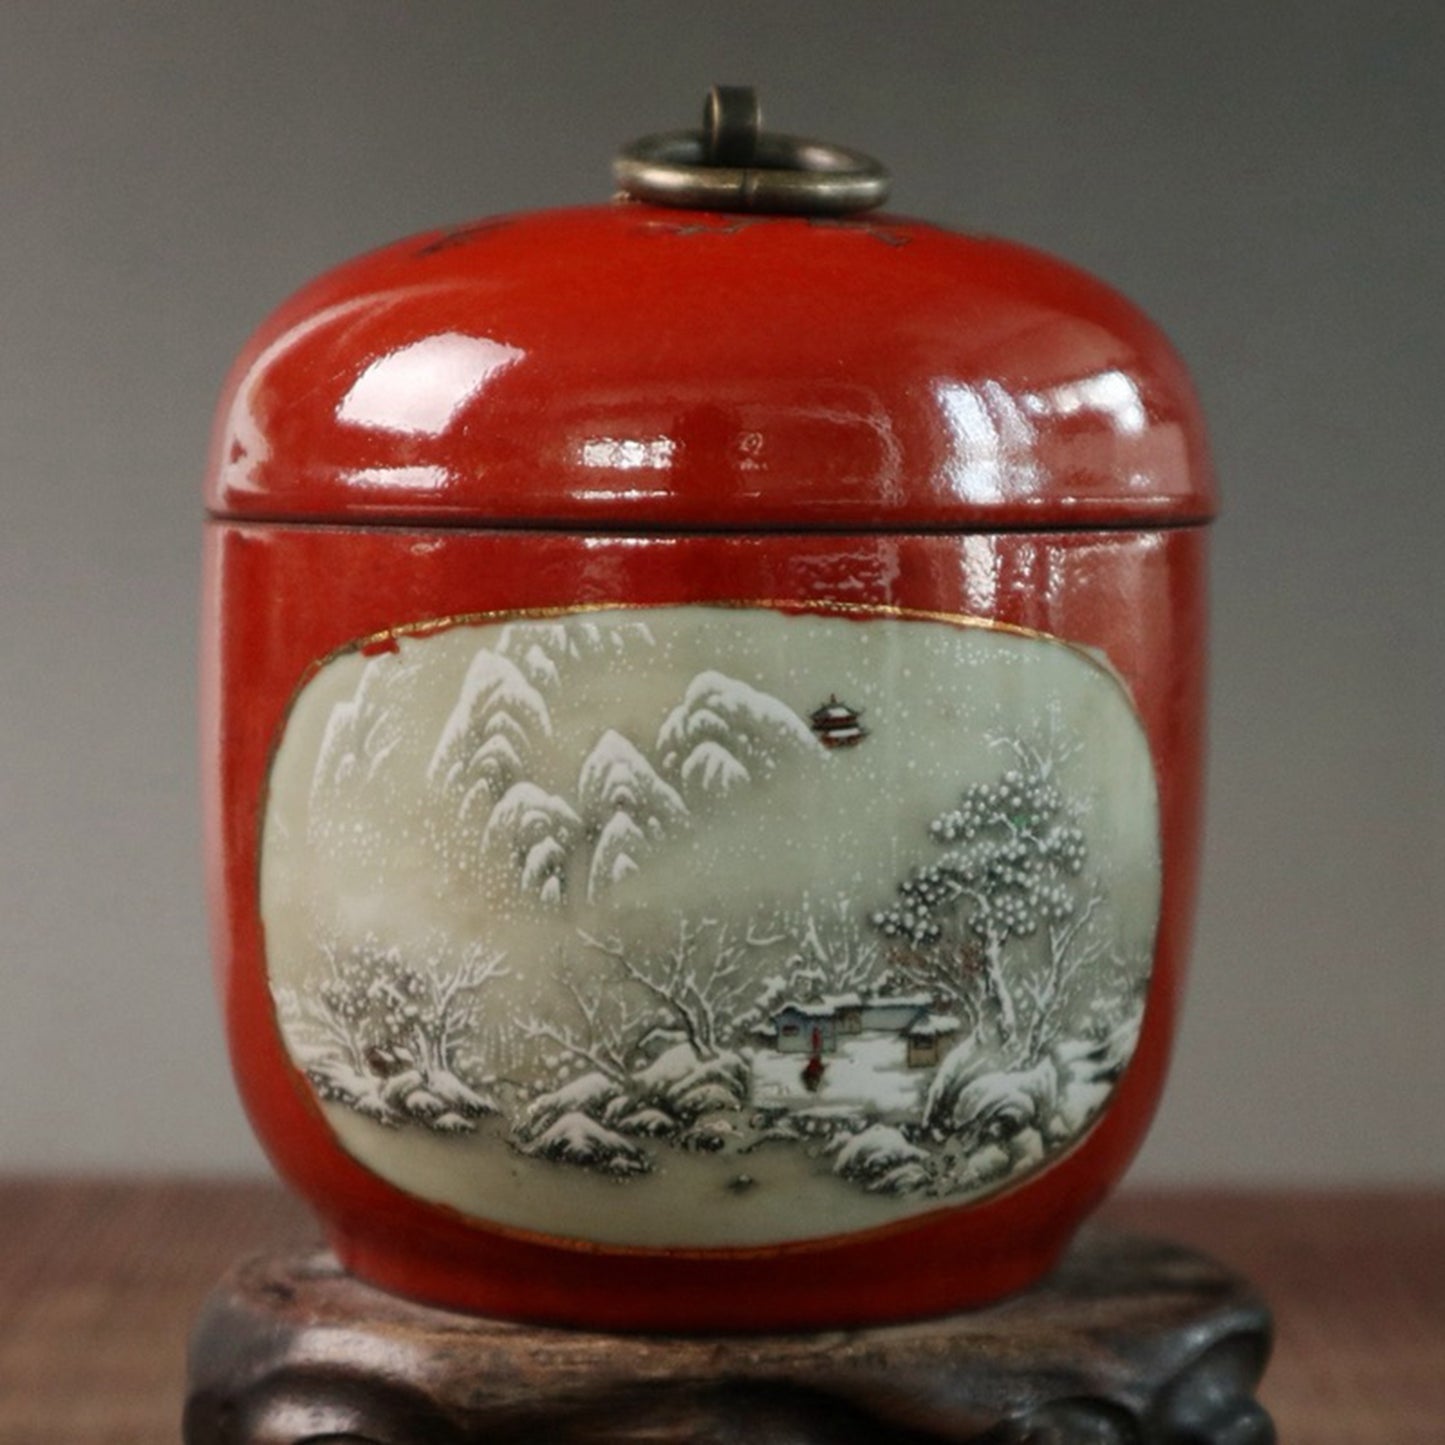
704	731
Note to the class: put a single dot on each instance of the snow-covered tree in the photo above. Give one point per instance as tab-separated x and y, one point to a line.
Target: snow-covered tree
384	1029
836	952
1015	853
602	1031
703	982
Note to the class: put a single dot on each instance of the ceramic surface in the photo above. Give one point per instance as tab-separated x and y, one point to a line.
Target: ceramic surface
1119	615
631	366
469	825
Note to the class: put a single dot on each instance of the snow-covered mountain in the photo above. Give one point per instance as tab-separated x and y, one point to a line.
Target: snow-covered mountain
496	767
726	735
617	775
494	727
363	731
355	779
629	807
542	649
527	840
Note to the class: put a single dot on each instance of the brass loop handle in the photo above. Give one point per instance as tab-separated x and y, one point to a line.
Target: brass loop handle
732	164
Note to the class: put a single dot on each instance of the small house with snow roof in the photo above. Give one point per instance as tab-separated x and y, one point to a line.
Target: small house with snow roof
806	1028
892	1013
929	1037
814	1027
847	1011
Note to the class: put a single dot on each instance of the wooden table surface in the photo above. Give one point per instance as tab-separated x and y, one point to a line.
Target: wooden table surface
99	1282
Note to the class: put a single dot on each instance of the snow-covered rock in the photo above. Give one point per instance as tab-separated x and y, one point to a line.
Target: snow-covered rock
424	1105
882	1160
710	1136
439	1100
590	1094
968	1060
997	1106
1079	1101
338	1083
985	1166
688	1086
1099	1060
827	1121
396	1088
645	1123
460	1097
902	1179
450	1123
771	1126
578	1139
707	1096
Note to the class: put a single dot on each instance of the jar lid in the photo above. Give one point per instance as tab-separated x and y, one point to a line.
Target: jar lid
635	366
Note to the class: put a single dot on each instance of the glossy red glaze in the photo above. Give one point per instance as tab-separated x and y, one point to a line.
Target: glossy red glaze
625	366
282	597
625	405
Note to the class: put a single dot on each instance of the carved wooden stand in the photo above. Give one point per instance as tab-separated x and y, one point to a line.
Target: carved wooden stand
1131	1342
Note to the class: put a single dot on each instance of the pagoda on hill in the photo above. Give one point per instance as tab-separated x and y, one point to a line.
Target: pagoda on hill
836	724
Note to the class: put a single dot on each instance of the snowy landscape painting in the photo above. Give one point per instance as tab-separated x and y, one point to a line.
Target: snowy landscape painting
710	925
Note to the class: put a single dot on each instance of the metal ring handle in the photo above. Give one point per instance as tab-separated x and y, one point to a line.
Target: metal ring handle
759	170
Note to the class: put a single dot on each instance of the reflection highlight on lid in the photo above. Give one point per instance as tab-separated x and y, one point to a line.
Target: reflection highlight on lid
992	441
412	479
418	389
1114	393
628	454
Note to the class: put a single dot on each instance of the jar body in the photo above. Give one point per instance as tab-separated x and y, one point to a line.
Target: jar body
520	1110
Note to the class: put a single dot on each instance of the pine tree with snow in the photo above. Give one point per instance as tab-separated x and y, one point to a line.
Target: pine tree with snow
1015	850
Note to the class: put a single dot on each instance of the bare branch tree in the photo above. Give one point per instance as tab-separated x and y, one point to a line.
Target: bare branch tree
374	996
700	980
605	1032
834	944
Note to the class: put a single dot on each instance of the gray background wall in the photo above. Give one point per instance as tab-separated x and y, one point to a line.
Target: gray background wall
1264	178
